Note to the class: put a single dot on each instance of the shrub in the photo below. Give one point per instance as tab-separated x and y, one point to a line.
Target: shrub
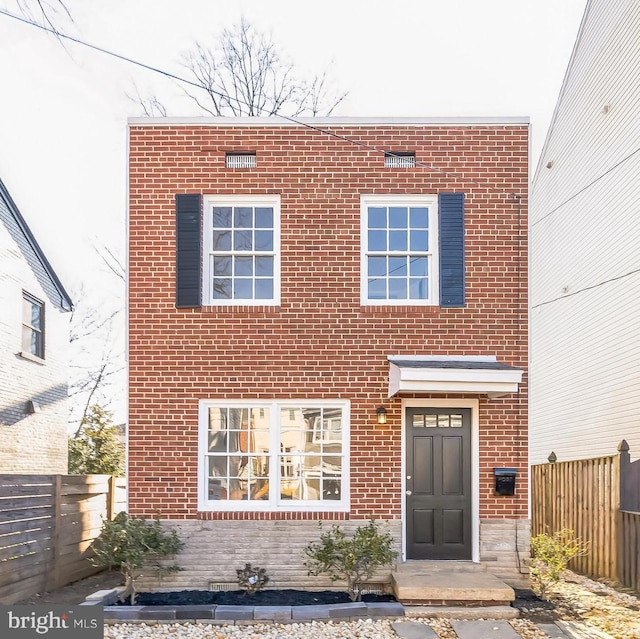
550	557
95	448
252	579
352	559
128	544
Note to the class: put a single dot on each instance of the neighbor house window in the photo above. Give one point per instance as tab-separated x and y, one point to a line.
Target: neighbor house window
274	456
32	326
399	250
242	250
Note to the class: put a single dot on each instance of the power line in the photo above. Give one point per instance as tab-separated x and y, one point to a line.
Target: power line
172	76
587	288
588	186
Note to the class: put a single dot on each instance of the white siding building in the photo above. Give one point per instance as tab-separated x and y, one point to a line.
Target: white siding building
585	248
34	352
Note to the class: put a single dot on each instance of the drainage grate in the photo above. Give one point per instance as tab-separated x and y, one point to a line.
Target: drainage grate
220	586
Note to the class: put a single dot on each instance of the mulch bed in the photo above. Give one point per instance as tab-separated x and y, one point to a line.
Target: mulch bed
242	598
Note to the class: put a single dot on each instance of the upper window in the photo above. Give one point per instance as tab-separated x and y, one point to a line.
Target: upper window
399	250
274	456
32	326
242	250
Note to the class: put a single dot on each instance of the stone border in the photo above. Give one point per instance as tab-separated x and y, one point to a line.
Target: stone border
223	614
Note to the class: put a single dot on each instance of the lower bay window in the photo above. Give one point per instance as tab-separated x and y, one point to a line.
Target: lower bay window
278	455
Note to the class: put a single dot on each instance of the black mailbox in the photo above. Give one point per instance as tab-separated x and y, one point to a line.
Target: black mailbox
505	481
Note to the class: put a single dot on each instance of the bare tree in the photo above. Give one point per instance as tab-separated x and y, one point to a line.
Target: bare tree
245	74
49	11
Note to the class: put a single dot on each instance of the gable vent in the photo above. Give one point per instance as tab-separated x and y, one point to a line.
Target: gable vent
399	160
241	160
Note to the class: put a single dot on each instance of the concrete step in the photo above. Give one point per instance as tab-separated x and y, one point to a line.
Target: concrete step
449	584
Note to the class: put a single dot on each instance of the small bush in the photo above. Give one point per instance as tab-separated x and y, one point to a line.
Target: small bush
252	579
128	543
551	555
353	560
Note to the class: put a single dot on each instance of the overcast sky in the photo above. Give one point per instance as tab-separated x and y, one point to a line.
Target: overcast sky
64	109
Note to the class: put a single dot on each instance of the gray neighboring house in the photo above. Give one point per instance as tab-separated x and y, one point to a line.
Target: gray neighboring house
585	248
34	351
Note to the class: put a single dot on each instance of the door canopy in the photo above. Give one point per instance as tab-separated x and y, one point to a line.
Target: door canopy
452	374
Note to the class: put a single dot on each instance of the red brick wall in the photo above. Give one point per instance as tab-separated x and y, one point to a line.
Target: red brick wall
320	342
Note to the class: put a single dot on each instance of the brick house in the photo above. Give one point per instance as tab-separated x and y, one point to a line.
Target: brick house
34	357
328	322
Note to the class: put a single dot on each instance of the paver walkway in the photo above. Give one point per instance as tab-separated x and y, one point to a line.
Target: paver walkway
481	629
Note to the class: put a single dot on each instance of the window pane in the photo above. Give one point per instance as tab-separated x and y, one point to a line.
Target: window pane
35	316
221	288
398	217
397	240
264	217
221	265
243	217
418	266
377	266
332	489
221	240
243	265
242	289
222	217
264	240
242	241
419	241
264	289
377	289
398	266
377	241
417	288
377	217
26	339
264	266
397	289
431	421
419	217
417	421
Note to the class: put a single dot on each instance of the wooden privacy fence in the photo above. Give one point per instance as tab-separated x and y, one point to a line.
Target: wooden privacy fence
599	499
47	525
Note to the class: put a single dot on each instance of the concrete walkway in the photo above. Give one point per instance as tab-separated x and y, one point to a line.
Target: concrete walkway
490	629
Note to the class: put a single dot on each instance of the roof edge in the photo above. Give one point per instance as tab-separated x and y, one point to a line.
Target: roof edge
329	121
65	301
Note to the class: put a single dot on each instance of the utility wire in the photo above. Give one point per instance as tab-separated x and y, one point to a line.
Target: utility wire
588	186
291	119
587	288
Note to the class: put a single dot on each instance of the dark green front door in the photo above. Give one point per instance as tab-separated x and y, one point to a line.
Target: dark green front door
438	486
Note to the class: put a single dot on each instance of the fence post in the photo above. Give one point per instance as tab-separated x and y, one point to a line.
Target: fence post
625	484
57	524
111	498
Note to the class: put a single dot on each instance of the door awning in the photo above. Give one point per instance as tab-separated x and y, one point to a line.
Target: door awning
452	374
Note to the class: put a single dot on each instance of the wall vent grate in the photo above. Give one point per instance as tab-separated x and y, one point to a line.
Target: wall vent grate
222	586
241	160
399	160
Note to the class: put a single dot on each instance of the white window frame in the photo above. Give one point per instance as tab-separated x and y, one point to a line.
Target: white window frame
240	200
274	503
429	201
33	329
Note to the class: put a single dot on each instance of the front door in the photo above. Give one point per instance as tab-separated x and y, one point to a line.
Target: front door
438	486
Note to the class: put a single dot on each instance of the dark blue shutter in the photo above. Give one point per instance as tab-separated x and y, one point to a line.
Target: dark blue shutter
451	217
188	251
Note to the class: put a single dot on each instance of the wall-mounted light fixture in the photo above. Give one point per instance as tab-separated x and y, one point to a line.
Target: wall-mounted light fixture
33	406
382	415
